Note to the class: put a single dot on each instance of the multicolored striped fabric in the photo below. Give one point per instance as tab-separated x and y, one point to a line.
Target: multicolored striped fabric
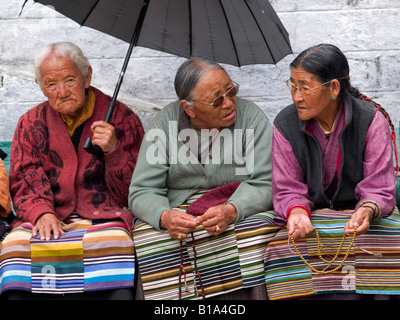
228	262
372	267
92	255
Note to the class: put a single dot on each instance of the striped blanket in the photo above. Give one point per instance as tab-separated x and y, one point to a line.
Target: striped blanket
372	267
228	262
92	255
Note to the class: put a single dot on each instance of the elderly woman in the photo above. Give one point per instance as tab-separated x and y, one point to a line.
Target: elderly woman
209	138
71	206
331	149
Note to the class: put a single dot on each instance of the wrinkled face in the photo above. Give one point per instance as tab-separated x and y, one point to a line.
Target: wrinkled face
317	104
213	84
64	84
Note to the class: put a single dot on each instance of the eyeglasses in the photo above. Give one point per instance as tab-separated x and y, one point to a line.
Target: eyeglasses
306	90
217	102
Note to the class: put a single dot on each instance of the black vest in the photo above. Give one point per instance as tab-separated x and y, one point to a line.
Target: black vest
358	117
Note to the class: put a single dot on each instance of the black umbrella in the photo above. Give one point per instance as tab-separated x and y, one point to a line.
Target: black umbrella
236	32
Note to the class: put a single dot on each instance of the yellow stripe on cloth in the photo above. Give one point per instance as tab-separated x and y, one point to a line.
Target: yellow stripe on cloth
56	249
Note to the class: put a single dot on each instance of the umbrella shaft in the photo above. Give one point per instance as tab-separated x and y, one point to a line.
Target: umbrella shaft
88	146
132	44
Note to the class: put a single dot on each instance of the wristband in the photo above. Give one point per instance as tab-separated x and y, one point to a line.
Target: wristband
374	214
376	211
298	206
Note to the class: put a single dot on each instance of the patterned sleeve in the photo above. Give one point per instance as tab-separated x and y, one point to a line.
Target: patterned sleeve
30	187
120	164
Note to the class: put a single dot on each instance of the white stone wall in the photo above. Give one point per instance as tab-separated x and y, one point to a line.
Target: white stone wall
366	30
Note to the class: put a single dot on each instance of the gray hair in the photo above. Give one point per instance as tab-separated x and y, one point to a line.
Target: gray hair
64	49
189	74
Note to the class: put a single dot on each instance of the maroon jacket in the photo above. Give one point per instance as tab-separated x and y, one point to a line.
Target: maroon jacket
48	175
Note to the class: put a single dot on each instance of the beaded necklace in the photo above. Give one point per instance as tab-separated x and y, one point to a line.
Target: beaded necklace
319	248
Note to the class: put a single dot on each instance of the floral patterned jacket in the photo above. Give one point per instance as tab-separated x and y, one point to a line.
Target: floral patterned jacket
48	175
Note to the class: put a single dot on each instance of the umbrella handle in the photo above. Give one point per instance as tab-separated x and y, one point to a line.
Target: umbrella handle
88	145
93	149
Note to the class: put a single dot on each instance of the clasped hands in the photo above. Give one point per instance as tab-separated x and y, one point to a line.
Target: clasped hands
215	220
299	224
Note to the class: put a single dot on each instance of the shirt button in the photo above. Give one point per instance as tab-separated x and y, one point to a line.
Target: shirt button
96	213
205	177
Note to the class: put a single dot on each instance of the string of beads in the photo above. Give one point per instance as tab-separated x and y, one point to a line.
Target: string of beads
320	248
182	271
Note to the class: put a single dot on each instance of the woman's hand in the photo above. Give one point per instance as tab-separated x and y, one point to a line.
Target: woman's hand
299	224
47	224
361	218
216	219
104	136
179	224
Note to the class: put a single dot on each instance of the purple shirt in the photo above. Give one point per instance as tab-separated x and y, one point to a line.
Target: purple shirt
378	184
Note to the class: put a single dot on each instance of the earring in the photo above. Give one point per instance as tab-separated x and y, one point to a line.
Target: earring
333	98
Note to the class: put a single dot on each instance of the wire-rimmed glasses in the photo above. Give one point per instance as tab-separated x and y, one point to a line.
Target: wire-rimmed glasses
306	90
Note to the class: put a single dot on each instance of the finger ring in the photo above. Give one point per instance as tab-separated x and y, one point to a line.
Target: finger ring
180	236
217	228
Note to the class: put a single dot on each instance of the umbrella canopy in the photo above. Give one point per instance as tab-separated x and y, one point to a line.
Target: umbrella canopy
236	32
